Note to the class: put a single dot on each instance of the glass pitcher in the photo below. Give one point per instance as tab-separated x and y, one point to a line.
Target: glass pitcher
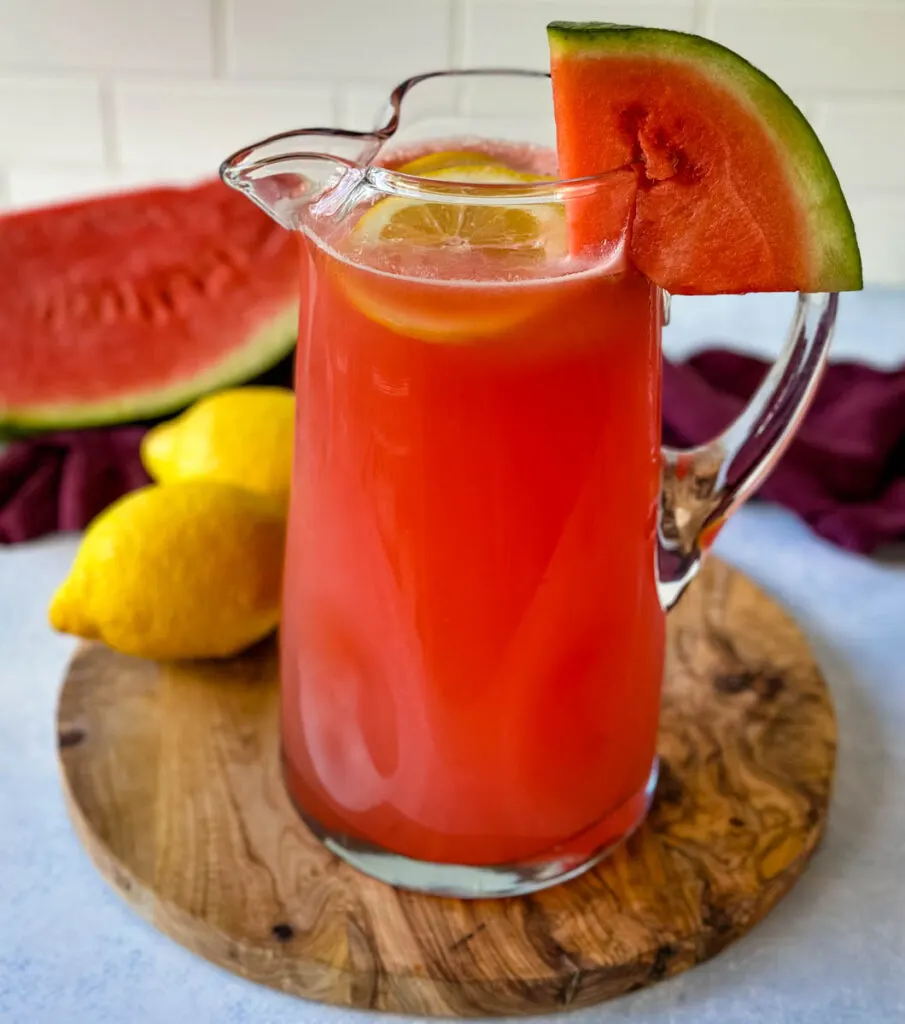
485	534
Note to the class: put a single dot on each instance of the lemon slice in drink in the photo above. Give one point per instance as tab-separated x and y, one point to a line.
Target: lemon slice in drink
435	223
521	233
474	253
430	162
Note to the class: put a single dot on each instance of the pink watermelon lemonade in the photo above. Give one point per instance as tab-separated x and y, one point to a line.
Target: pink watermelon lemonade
472	642
472	635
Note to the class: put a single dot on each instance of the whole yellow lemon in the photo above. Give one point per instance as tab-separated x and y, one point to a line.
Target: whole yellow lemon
241	436
190	570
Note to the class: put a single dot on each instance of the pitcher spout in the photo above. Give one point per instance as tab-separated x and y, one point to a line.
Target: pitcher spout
285	174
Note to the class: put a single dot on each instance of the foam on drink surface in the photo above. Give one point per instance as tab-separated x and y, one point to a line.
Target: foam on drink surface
449	256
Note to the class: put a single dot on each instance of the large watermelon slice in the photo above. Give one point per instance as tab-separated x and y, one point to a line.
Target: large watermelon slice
735	192
129	306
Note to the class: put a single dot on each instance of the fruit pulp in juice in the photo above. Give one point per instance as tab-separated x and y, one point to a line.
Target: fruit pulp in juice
472	642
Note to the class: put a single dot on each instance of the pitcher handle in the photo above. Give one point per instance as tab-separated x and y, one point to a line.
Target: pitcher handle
702	486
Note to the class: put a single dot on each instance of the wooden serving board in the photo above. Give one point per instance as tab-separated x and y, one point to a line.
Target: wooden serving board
173	782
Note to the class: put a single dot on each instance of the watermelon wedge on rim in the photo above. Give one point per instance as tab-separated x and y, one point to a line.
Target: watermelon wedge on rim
735	192
129	306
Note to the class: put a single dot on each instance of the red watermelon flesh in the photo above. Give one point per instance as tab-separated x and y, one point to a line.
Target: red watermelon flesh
735	192
129	306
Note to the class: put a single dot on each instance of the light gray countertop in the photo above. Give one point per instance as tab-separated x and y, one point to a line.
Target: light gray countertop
832	952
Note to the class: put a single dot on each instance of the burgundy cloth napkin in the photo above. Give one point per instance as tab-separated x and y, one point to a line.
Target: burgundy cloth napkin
60	481
844	474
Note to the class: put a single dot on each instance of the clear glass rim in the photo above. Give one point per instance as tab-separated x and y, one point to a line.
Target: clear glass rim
244	162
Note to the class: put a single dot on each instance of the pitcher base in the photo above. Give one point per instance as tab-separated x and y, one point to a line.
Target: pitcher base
566	860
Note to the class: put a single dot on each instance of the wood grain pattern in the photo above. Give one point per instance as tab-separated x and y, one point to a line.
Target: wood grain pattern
173	783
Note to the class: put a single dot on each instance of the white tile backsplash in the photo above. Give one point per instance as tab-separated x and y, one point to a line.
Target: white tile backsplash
880	221
198	124
512	33
55	119
819	44
167	36
104	94
338	39
361	105
35	185
865	140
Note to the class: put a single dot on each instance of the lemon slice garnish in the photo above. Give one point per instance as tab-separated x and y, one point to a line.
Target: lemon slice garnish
477	250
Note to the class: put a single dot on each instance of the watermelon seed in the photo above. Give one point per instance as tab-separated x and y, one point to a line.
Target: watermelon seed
165	302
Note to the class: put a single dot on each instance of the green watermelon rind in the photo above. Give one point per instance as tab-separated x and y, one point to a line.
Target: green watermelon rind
256	354
838	260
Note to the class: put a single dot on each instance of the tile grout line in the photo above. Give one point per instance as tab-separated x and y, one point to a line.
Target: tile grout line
704	17
455	29
817	113
339	103
339	100
220	39
884	193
